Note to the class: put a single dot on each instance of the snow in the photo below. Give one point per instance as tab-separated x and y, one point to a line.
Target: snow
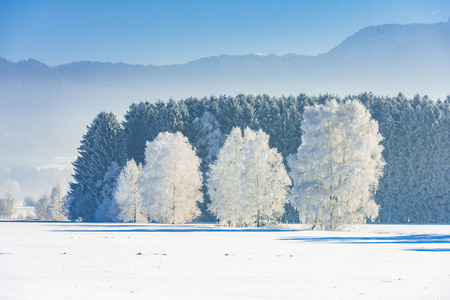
51	260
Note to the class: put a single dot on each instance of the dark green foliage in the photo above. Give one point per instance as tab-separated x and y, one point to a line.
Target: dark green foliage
102	145
415	187
144	121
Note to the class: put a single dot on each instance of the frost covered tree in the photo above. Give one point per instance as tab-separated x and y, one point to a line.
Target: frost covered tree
337	167
208	141
7	206
224	181
56	204
43	207
415	186
248	183
144	121
265	181
29	201
108	210
102	145
171	181
50	206
415	182
127	194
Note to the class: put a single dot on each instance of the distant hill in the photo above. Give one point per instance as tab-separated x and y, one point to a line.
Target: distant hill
44	110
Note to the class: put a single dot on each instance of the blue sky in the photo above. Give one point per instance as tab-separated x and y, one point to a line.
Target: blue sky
168	32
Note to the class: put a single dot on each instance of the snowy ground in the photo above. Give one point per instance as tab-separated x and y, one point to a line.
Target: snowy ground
41	260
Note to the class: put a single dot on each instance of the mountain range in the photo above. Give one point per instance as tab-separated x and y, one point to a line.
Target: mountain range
44	110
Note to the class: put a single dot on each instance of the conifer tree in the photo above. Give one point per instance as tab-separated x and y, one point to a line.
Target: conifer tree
415	185
108	209
208	141
144	121
100	147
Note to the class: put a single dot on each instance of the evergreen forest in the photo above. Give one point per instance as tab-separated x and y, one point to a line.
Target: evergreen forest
415	186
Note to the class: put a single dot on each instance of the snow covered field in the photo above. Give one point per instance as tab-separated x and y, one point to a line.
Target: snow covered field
40	260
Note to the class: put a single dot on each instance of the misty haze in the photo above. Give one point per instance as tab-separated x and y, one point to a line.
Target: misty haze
225	149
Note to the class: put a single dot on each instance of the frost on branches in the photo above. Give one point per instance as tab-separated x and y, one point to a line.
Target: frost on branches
208	139
416	183
224	181
337	167
265	180
108	209
127	194
49	206
7	205
248	183
171	181
101	147
56	207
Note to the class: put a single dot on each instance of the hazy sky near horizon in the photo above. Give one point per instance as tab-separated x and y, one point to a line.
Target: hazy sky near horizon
169	32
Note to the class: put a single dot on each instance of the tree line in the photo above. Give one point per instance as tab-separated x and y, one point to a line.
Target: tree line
414	188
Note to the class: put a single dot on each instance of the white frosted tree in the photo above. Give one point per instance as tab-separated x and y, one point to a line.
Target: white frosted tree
49	207
56	201
265	182
209	138
42	207
127	194
171	181
248	183
337	167
7	206
108	210
224	181
207	142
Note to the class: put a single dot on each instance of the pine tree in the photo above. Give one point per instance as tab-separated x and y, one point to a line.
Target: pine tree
415	185
127	194
138	128
101	146
280	118
171	180
108	209
336	169
144	121
441	186
208	141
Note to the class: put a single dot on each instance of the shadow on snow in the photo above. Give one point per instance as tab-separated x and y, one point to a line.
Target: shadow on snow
430	250
399	239
148	227
155	227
